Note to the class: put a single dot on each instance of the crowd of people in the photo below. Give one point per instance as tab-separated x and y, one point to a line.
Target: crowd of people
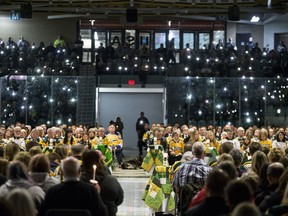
216	170
45	163
25	58
215	59
49	167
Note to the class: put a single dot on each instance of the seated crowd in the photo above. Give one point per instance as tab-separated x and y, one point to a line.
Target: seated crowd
214	169
213	60
50	168
230	169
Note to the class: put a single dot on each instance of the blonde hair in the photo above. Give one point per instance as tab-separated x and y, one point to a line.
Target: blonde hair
275	154
258	159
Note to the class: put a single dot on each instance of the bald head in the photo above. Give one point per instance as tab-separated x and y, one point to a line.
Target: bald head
274	171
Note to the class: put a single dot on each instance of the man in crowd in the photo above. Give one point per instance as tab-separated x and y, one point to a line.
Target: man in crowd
17	138
73	193
194	171
114	141
141	130
214	203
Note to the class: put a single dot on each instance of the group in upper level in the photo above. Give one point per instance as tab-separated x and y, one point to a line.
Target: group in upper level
214	59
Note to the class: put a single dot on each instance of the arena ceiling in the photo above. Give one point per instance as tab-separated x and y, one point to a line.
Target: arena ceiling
267	10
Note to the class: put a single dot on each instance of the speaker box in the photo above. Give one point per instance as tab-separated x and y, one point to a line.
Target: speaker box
234	13
26	10
131	14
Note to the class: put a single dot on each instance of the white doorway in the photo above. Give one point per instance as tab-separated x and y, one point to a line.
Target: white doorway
127	103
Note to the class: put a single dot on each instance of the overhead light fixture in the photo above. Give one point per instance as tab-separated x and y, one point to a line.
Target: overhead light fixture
255	19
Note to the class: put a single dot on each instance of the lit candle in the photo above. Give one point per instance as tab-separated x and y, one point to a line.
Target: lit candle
94	171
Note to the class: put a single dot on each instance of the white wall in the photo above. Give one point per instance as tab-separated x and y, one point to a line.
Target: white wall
128	105
256	31
278	26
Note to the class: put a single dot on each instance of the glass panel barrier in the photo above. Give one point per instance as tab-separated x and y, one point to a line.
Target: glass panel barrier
190	100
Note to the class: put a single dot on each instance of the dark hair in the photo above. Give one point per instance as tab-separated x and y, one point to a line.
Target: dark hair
90	158
283	182
11	150
40	163
277	136
17	170
284	160
62	151
65	140
253	147
54	156
265	149
238	191
188	146
3	166
226	147
216	181
229	168
77	149
30	144
263	181
6	208
237	156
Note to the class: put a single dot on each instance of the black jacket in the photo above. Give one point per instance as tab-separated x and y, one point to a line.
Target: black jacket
111	192
74	195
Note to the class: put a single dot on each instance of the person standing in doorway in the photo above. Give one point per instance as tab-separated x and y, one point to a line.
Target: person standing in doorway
171	51
119	126
141	130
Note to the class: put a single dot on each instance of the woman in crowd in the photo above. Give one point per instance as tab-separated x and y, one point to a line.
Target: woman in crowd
194	136
8	134
258	159
111	191
263	139
176	148
211	141
18	178
218	132
69	138
93	139
246	143
39	172
280	140
11	150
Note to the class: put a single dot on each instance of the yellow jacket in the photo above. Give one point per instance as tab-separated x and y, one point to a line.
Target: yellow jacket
112	140
176	146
